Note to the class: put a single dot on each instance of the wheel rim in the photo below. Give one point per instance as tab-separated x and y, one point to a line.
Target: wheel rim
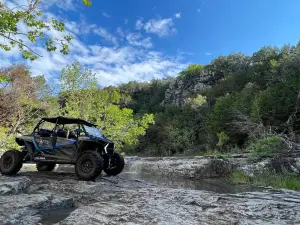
113	163
86	166
8	162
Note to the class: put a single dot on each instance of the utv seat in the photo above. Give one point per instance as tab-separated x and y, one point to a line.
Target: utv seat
61	133
45	133
72	135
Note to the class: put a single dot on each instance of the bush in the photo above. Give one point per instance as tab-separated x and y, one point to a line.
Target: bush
194	70
275	104
264	148
222	139
196	102
7	142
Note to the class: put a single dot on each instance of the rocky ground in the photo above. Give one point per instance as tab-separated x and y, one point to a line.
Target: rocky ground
26	197
199	167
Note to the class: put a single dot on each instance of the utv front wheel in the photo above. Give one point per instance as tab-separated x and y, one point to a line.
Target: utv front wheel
89	165
113	165
11	162
45	166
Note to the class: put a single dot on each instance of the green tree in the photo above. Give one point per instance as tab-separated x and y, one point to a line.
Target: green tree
35	32
82	99
23	98
276	104
196	102
75	78
193	70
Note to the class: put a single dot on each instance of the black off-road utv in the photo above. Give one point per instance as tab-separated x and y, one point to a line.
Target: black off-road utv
62	140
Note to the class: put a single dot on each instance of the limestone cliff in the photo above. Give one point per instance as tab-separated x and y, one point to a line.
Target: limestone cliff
181	88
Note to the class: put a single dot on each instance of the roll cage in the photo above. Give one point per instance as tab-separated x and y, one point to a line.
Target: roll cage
62	121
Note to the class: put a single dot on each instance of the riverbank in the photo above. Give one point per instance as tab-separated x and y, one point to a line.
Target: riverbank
58	197
115	200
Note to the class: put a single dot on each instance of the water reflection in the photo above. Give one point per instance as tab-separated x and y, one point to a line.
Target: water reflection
215	185
54	216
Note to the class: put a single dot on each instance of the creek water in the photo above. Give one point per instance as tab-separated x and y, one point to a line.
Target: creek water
50	217
218	185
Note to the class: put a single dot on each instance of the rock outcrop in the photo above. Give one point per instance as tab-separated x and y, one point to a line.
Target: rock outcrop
193	167
200	167
181	88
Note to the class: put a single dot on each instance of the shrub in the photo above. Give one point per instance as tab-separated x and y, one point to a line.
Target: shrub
265	147
196	102
7	142
191	72
275	104
222	139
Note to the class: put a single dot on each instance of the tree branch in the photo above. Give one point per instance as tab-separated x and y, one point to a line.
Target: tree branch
20	43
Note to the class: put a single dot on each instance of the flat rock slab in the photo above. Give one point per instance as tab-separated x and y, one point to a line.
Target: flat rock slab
13	185
114	200
24	208
172	206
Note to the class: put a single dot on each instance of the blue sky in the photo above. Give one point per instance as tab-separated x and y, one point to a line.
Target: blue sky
123	40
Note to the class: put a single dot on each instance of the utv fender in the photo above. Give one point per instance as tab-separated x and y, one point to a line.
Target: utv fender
28	143
87	145
78	154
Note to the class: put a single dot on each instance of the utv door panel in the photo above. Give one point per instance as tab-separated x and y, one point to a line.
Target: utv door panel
60	142
65	149
43	142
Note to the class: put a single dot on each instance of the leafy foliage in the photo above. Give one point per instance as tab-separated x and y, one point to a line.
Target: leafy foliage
83	99
192	71
265	147
253	105
36	31
196	102
7	142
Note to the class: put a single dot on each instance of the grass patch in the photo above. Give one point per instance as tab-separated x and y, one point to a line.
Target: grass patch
284	180
239	177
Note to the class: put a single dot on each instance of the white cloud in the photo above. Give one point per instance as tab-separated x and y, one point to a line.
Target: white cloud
120	32
208	53
105	15
178	15
139	24
44	5
161	27
136	39
113	65
62	4
106	35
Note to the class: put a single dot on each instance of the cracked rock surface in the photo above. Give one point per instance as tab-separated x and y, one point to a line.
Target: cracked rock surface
116	200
